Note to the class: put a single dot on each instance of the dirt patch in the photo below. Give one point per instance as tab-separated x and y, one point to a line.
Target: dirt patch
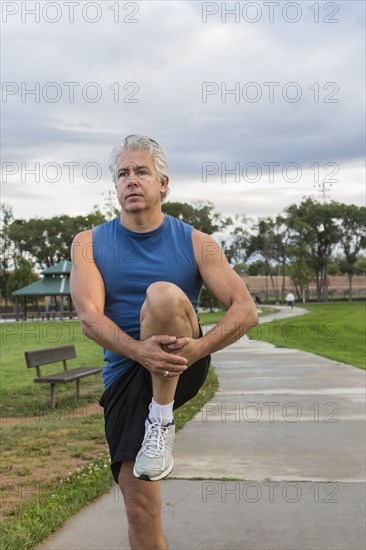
26	474
19	485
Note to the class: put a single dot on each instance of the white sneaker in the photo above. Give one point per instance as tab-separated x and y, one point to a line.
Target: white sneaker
154	460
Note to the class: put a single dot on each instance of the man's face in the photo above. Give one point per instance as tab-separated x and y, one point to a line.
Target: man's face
138	187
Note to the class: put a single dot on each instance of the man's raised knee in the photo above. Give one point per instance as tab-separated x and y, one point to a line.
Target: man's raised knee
168	308
165	295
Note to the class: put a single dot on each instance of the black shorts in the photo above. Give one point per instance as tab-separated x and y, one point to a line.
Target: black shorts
126	405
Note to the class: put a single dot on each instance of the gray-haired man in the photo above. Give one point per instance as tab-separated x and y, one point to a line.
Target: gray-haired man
137	298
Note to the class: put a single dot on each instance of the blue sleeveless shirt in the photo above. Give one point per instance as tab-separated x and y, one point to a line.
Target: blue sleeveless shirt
129	262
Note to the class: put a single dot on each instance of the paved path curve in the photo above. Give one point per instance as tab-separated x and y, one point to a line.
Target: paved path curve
279	455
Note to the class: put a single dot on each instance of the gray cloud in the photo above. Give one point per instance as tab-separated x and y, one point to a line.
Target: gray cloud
169	53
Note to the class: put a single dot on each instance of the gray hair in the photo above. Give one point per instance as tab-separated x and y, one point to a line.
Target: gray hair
140	143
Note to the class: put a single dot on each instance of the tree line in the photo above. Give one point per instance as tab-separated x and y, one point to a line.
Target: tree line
307	242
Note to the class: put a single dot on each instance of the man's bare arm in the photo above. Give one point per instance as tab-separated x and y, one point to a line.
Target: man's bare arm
230	290
88	296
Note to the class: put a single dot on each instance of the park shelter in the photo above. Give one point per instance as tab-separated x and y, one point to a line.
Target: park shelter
55	283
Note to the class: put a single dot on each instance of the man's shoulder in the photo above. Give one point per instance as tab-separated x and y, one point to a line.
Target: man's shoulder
177	223
108	223
88	235
103	227
205	247
201	237
198	237
83	236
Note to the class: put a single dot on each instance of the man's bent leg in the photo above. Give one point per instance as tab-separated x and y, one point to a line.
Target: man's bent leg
143	508
167	310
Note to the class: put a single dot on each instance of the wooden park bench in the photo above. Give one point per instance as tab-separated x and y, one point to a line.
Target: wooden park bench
42	357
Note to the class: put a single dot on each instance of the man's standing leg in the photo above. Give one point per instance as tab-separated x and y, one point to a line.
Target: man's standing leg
143	508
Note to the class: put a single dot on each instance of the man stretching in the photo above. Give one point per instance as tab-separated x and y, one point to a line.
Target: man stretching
135	284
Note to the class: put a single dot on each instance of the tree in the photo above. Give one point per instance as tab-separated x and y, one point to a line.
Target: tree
360	266
22	275
47	241
315	231
282	249
241	269
208	300
262	244
199	214
300	275
236	245
257	268
334	267
353	239
6	249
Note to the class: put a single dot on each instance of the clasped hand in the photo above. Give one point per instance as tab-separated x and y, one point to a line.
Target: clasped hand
182	354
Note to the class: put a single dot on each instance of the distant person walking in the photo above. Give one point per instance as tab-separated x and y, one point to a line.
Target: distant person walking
290	298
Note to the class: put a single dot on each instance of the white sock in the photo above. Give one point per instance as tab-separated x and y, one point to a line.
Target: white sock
163	413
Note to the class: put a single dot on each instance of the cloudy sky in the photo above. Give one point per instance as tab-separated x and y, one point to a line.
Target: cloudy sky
256	104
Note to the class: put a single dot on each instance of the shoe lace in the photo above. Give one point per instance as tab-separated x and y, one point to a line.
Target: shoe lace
154	443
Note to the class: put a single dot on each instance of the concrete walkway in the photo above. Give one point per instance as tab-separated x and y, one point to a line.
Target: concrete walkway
278	458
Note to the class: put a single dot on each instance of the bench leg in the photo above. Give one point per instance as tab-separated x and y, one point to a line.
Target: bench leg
52	395
77	389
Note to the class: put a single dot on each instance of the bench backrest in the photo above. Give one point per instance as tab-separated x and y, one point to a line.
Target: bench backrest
50	355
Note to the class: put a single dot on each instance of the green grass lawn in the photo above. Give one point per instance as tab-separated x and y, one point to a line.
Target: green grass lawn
53	462
332	330
19	396
16	338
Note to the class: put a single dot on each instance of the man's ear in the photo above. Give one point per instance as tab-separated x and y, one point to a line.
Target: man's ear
164	184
